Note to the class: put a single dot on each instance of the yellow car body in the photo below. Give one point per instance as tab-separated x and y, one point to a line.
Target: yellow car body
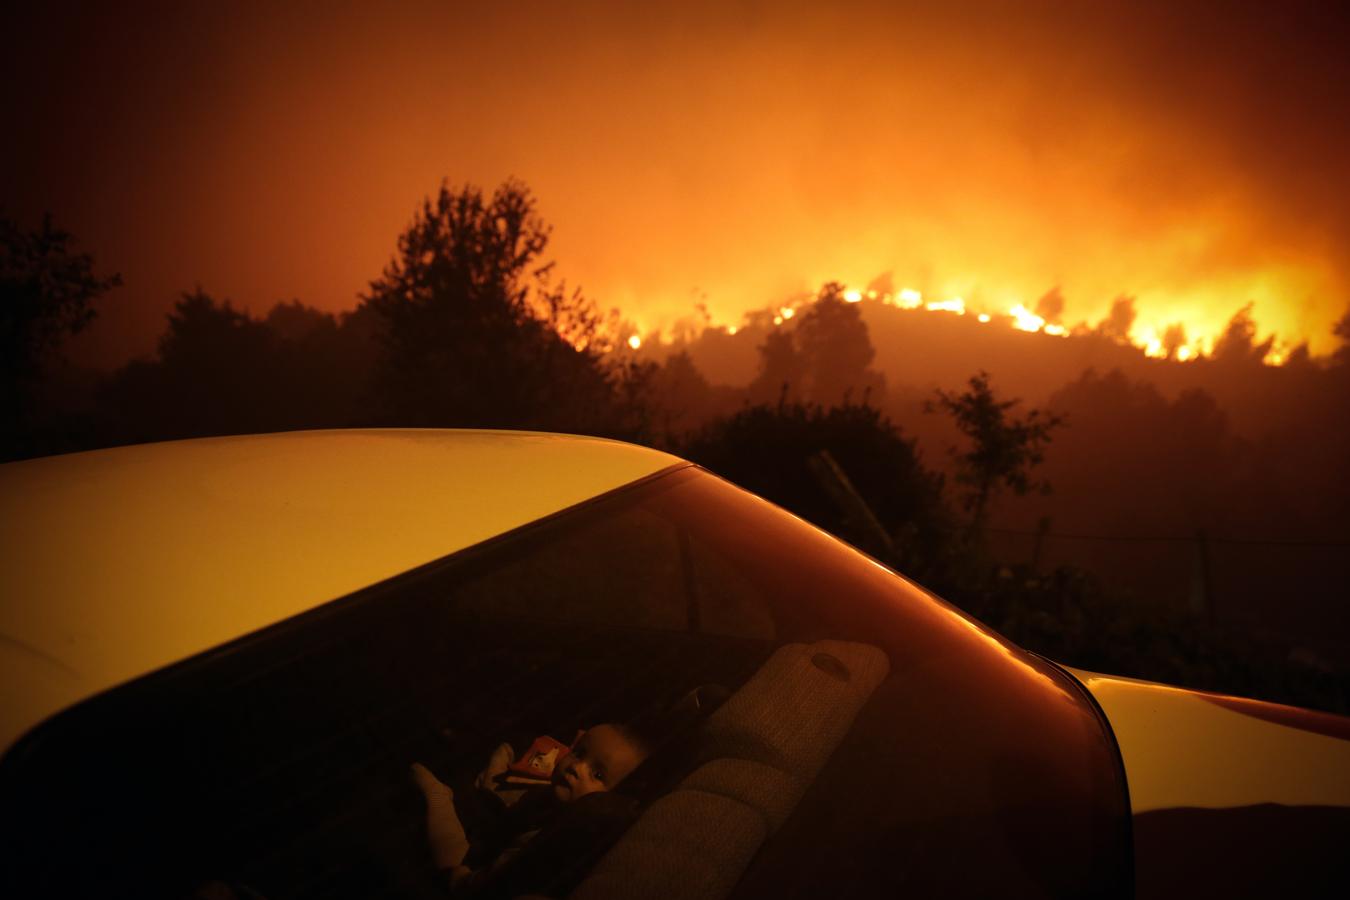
119	562
126	574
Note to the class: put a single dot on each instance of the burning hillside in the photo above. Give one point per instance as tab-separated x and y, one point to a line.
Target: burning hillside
1177	340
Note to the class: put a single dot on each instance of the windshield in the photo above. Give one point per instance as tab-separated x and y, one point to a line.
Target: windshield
698	695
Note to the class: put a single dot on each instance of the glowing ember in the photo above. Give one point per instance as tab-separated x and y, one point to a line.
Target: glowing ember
1024	319
956	305
1169	342
1146	339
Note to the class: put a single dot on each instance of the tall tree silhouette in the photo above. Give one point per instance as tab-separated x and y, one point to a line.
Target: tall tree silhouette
1238	342
215	374
219	370
1003	449
768	448
1051	305
474	331
681	396
824	357
1120	319
1187	474
836	349
781	370
47	292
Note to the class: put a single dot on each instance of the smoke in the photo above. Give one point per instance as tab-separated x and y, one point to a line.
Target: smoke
1120	320
1051	306
1192	159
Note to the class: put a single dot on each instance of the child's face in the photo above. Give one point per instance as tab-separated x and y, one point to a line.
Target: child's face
601	759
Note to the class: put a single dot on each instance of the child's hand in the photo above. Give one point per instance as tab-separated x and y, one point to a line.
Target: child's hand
497	764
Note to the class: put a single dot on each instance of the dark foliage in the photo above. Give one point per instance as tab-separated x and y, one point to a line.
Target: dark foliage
781	369
1172	482
467	328
1073	617
47	293
472	331
221	371
1004	449
767	449
825	357
1238	343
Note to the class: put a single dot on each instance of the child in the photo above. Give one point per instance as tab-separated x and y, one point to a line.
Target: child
544	840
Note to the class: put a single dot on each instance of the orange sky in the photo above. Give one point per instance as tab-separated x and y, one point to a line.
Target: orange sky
744	151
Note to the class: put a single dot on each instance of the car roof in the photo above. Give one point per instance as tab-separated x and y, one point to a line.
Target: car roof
115	563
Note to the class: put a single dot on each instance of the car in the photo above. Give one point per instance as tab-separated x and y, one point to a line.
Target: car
220	657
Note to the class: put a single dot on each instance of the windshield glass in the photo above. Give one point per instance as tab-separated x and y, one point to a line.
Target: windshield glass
676	690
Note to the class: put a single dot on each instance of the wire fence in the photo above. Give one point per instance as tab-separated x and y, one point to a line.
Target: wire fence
1295	589
1185	539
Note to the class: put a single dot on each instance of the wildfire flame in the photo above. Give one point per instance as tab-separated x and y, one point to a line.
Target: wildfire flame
1158	342
1024	319
1171	341
956	305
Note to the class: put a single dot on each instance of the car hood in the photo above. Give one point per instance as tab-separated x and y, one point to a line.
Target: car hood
1230	797
1184	748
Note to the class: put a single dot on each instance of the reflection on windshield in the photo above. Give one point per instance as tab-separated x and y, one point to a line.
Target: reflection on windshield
677	690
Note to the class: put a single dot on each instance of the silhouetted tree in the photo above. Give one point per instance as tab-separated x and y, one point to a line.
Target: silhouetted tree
1238	342
1120	320
836	350
214	374
1051	305
47	292
219	370
297	323
473	330
1341	329
1140	461
323	365
1003	449
823	357
1174	338
882	284
781	369
206	338
681	396
767	449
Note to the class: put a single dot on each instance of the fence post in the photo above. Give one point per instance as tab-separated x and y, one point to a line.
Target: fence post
1042	529
1202	586
854	508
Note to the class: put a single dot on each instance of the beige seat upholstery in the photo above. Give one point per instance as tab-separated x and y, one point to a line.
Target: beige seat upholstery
760	752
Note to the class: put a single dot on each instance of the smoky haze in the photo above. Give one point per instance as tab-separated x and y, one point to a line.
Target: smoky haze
1191	157
1214	485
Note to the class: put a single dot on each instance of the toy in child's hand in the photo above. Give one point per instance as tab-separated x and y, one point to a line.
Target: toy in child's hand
535	765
